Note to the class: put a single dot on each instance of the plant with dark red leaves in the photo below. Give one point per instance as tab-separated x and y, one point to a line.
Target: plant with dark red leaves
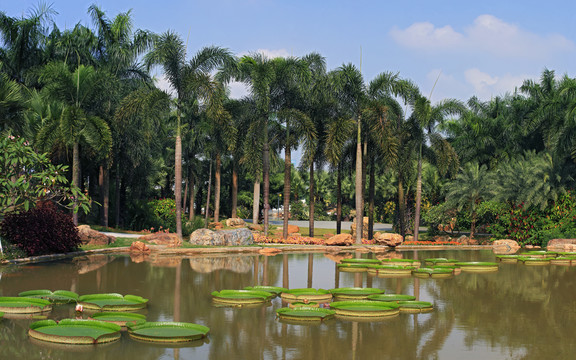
40	231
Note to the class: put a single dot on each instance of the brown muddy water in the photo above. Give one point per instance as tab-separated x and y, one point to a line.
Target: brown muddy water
519	312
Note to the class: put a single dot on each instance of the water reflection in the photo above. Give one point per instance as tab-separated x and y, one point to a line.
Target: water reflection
518	312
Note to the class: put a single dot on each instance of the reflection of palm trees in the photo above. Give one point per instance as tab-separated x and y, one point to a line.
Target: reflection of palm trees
310	269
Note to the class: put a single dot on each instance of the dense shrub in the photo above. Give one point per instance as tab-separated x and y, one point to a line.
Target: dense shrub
243	212
298	211
40	231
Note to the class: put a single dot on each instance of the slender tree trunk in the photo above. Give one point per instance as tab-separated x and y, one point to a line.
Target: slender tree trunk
312	201
266	181
101	186
234	189
217	188
185	199
75	178
364	173
418	197
178	180
338	200
310	270
207	211
105	193
287	171
192	196
256	202
117	186
371	194
358	191
401	205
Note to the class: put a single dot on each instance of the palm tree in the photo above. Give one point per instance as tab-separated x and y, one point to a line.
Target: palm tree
12	106
75	89
191	82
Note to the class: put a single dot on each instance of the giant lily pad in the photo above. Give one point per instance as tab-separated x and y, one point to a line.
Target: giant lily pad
426	272
563	260
539	254
534	261
307	294
304	313
241	297
361	261
354	293
112	302
72	331
167	332
477	266
118	318
401	262
271	289
391	297
365	308
353	267
441	261
510	259
415	306
58	296
391	270
23	305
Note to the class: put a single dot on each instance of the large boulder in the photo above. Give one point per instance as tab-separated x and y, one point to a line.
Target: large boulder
562	245
466	240
235	222
364	228
236	237
340	240
388	239
505	246
292	229
162	238
88	236
139	247
255	227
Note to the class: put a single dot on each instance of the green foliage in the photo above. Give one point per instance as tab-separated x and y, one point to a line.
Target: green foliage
243	212
27	177
165	212
298	211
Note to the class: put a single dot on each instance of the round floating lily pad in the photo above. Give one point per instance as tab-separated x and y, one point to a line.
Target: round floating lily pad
271	289
354	293
532	261
353	267
441	261
401	262
319	295
58	296
391	297
305	313
510	259
478	266
563	260
112	302
167	332
538	254
305	304
415	306
24	305
365	308
241	297
118	318
436	273
393	269
72	331
361	261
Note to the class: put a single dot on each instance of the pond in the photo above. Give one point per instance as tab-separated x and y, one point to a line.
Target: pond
519	312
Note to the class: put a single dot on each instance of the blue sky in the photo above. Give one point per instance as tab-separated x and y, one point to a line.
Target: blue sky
479	48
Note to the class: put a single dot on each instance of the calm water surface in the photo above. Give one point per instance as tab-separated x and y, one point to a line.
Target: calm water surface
519	312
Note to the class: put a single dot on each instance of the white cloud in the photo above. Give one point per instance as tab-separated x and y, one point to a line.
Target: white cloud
269	53
487	86
487	34
237	90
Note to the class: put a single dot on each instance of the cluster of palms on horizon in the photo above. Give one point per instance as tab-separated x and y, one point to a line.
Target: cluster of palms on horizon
381	148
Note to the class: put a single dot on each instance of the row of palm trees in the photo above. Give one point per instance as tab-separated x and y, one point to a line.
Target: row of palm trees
88	91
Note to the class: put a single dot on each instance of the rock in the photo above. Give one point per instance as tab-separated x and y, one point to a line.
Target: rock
235	222
388	239
409	238
364	228
291	229
139	257
340	239
269	251
162	238
562	245
328	236
215	225
255	227
505	246
442	238
236	237
465	240
139	246
89	236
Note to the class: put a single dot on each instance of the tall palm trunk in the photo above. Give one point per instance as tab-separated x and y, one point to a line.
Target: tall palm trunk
401	205
178	180
217	175
117	186
312	201
185	199
75	177
358	189
371	194
338	200
418	196
266	178
207	211
287	168
234	189
105	193
192	195
256	202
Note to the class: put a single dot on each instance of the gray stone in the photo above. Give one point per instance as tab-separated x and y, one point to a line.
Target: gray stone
235	237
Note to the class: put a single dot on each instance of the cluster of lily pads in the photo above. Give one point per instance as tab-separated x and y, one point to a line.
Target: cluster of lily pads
110	314
435	268
540	257
304	304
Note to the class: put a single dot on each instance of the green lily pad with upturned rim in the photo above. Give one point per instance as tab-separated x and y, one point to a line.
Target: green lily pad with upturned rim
436	273
24	305
391	297
354	293
532	261
365	308
305	304
57	297
412	306
353	267
118	318
510	259
319	295
241	297
441	261
361	261
394	270
562	260
304	313
167	332
478	266
74	331
538	254
271	289
112	302
401	262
